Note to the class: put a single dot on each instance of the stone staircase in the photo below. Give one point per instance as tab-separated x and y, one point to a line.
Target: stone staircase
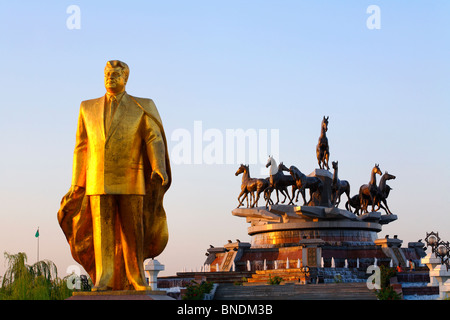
291	291
415	285
287	275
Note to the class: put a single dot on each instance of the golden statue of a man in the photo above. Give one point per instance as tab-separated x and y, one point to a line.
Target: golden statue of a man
113	215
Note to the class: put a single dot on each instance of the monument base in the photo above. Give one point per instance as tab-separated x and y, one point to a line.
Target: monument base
121	295
313	236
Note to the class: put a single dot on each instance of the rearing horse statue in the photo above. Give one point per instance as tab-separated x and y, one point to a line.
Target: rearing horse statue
323	150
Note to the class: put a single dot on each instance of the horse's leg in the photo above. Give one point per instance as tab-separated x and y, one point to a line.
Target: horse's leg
258	193
267	195
373	203
362	203
240	201
347	192
246	197
293	196
252	198
388	210
252	194
287	195
284	194
337	199
304	197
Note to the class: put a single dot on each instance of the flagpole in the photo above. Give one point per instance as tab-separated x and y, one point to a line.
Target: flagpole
38	244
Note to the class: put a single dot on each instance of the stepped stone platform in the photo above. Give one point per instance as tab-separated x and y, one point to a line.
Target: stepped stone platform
316	236
415	283
121	295
288	275
331	291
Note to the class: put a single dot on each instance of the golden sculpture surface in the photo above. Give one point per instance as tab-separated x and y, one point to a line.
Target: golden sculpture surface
113	215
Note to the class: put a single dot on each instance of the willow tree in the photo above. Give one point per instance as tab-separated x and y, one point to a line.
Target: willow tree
36	282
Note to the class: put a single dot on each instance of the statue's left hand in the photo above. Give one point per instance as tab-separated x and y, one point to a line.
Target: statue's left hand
163	176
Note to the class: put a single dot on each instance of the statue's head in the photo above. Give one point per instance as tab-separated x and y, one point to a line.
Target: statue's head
116	76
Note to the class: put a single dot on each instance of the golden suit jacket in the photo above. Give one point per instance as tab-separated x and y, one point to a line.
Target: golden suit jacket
120	161
111	160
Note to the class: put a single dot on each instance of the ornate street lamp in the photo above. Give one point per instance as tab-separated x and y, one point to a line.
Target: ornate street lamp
443	252
432	239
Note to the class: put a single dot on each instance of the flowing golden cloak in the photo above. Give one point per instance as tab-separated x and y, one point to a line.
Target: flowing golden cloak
74	216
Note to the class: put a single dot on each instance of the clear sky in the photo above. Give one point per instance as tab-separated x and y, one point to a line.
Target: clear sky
256	65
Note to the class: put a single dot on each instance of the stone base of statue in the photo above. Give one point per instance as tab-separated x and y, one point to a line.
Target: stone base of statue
318	237
121	295
281	225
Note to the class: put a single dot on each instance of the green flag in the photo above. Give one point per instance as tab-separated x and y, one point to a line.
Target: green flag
37	233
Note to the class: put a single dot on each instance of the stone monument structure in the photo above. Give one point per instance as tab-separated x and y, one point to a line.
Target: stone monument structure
313	230
113	215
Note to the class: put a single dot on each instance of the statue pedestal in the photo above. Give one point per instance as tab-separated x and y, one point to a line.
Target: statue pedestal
431	262
152	268
121	295
310	233
324	199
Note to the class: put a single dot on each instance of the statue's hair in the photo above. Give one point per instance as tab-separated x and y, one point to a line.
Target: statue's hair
119	64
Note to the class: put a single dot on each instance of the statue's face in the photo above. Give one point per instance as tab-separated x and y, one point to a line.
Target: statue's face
114	80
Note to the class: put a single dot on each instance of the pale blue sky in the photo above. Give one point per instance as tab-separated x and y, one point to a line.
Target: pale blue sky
230	64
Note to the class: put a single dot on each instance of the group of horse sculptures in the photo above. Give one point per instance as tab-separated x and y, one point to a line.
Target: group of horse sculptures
369	194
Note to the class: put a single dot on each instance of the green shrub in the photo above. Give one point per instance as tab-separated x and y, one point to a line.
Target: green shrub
275	280
388	293
196	291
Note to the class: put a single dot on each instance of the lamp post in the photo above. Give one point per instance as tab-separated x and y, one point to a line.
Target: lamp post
430	260
443	252
439	257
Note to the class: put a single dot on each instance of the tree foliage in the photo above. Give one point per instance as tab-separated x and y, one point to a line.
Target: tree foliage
36	282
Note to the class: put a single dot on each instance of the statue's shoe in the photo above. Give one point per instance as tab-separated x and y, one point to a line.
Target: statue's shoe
100	288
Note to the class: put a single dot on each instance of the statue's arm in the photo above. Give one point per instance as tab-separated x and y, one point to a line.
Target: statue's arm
156	149
80	154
